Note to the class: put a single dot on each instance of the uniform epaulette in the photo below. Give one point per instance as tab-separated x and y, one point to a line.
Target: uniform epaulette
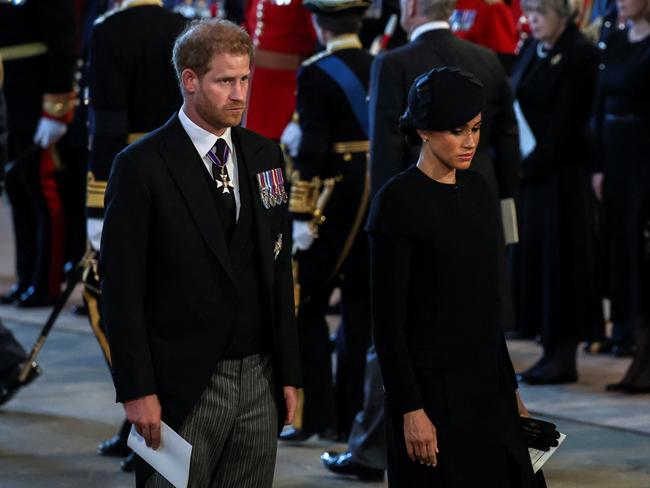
106	15
493	2
125	6
315	57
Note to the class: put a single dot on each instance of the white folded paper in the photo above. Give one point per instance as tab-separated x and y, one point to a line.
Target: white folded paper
509	220
527	141
171	459
539	458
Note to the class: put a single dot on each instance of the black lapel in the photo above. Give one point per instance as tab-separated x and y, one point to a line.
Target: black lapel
185	165
248	148
525	60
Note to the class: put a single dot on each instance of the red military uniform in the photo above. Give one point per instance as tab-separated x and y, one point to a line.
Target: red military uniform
283	36
489	23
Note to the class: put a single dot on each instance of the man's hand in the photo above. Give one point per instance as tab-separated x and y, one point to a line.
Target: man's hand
144	414
290	400
420	437
523	411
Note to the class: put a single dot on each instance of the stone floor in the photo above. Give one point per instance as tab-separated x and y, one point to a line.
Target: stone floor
49	432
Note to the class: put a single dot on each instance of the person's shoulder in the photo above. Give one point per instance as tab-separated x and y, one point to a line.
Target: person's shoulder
138	17
145	151
398	54
391	201
485	55
254	140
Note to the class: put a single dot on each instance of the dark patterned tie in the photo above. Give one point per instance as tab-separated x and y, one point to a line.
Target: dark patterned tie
219	157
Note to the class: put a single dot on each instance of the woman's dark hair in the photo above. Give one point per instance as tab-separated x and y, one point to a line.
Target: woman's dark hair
410	132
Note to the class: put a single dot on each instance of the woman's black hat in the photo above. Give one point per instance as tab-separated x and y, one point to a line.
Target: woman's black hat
442	99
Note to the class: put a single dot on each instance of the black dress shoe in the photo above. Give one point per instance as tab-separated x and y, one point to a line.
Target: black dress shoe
624	350
128	465
13	294
620	386
556	378
32	299
292	434
636	389
80	310
10	384
342	463
114	447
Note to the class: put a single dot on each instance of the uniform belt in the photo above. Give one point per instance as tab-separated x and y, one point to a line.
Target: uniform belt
22	51
135	136
277	60
351	147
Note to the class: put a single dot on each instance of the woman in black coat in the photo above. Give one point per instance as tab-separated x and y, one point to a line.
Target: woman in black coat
554	82
452	412
623	130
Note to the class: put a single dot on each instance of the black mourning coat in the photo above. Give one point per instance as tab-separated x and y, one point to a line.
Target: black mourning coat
556	267
168	281
436	326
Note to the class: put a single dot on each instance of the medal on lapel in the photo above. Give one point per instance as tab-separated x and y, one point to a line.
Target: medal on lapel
271	186
278	246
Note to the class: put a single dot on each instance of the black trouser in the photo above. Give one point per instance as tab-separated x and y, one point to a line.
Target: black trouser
37	218
316	266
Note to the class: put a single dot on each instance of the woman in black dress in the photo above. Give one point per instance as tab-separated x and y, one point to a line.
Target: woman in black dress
452	412
623	182
554	82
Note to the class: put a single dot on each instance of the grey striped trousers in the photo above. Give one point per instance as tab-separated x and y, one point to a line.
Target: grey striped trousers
233	428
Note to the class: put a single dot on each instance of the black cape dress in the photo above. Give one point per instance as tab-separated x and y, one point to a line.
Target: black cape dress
436	330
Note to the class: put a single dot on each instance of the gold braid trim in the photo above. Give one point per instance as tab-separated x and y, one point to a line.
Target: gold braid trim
304	194
95	190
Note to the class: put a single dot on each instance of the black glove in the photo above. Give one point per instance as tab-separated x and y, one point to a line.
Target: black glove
539	434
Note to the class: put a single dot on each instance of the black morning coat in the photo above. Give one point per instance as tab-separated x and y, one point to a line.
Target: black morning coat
168	281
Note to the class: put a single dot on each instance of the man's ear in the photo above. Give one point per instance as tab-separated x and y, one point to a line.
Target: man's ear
411	8
189	80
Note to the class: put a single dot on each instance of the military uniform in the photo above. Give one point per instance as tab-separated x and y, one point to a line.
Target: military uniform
37	45
133	90
330	189
283	36
488	23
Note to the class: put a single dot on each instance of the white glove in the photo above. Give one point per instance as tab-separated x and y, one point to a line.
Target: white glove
303	237
49	131
290	137
94	231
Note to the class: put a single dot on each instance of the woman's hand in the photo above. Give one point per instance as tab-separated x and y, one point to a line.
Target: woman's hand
523	411
597	185
420	437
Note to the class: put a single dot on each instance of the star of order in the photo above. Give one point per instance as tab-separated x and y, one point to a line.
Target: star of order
225	183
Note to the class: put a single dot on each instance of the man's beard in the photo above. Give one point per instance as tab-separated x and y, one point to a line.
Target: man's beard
218	118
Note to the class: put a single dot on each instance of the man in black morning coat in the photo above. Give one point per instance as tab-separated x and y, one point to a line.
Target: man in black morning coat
497	159
197	287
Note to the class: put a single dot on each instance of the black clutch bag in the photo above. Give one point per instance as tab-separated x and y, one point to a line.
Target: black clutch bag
539	434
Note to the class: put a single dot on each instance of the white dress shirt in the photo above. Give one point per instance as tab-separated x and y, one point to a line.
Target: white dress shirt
426	27
204	141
